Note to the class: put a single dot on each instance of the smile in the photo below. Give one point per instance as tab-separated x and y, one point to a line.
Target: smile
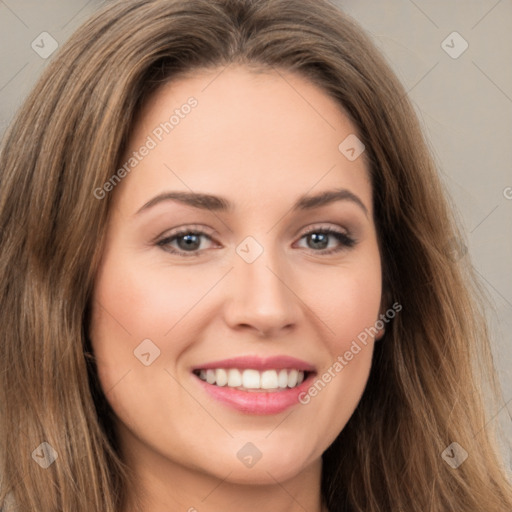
251	379
255	385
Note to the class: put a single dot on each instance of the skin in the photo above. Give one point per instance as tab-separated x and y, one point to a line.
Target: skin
260	140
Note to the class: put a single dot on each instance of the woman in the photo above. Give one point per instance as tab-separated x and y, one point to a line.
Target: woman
252	366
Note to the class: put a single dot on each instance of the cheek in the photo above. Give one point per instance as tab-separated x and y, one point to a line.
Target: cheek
348	304
347	301
129	318
140	308
134	312
133	302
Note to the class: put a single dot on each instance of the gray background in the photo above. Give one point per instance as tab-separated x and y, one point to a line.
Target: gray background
464	104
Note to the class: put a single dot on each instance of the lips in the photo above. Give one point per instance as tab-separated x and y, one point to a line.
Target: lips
259	363
256	385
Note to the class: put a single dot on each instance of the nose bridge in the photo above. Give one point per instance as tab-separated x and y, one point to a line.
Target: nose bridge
261	295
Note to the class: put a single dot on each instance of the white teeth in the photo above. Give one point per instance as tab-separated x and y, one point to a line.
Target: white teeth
210	376
283	379
269	379
221	378
253	379
234	378
292	378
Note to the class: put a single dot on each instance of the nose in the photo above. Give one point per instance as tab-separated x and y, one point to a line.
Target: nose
261	296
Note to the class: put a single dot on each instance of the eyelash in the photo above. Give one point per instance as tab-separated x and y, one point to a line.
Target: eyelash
345	240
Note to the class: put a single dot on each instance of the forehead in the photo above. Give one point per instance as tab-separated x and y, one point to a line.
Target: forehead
250	135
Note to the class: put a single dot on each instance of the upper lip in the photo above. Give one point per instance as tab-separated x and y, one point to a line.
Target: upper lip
281	362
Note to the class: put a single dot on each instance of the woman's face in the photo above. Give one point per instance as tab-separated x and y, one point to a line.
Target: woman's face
244	280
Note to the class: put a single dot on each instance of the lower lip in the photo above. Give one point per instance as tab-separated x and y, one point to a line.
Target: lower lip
257	402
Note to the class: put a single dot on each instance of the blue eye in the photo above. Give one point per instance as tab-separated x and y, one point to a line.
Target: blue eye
187	242
320	240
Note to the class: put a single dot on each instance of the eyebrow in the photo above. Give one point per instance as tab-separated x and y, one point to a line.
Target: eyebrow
219	203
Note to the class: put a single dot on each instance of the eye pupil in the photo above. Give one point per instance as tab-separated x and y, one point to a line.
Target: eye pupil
192	241
319	238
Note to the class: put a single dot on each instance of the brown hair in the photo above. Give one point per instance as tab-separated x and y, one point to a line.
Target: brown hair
431	369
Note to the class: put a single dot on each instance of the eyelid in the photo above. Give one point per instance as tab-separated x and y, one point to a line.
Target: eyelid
324	226
186	228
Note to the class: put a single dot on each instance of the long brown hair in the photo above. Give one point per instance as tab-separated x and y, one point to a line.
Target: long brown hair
431	370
